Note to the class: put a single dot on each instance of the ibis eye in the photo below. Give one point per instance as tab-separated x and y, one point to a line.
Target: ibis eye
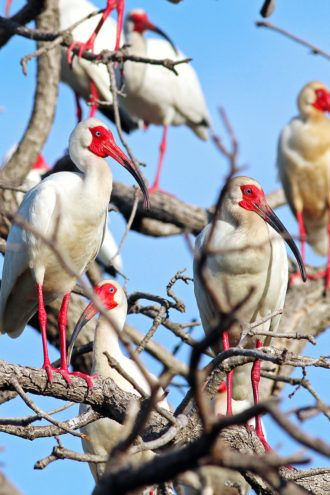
111	290
248	191
98	133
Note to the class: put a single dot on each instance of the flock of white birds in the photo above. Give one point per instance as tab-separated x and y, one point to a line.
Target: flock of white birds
246	251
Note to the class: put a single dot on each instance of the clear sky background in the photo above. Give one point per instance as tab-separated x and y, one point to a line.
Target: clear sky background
255	75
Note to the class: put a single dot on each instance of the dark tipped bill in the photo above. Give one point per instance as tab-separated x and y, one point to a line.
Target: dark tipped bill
270	217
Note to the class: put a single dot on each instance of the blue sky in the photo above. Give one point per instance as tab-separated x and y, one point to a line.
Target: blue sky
255	75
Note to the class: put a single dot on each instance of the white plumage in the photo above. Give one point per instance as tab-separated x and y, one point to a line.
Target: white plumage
82	72
155	94
249	256
105	433
73	204
303	162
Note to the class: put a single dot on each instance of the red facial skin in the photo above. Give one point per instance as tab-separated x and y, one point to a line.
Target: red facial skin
106	293
101	136
253	196
322	101
141	22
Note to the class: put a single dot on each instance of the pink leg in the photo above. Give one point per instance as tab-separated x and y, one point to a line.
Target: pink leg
43	326
155	187
225	344
302	233
78	107
7	7
255	378
89	45
120	12
93	99
62	322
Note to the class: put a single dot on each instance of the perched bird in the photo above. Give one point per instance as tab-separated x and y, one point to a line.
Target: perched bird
156	95
303	161
71	209
212	479
249	260
108	255
105	433
88	80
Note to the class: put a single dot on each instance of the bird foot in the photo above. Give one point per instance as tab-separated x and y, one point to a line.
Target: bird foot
89	45
50	371
88	378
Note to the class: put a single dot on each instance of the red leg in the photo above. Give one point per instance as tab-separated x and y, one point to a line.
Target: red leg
120	17
78	107
327	280
43	326
62	322
7	7
155	186
93	99
225	344
255	378
89	45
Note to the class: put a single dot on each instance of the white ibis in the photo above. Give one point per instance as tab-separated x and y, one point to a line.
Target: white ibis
250	256
87	79
217	480
105	433
303	162
108	255
156	95
72	206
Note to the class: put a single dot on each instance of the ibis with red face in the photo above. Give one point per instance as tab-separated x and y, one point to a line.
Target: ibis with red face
303	161
156	95
70	209
103	434
247	260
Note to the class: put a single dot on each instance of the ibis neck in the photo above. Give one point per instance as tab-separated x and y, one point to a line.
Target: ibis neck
98	179
106	339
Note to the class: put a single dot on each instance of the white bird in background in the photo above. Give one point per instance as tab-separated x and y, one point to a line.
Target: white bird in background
249	256
213	480
87	79
73	208
156	95
303	162
105	433
108	255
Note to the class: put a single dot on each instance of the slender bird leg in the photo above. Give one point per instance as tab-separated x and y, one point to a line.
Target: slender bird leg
255	378
302	235
78	107
93	99
225	344
89	45
7	7
62	322
43	326
155	186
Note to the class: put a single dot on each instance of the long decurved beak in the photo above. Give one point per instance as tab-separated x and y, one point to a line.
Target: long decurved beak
89	312
157	30
117	154
270	217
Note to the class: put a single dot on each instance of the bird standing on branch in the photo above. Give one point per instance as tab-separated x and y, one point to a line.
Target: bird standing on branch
70	211
246	259
156	95
105	433
303	161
